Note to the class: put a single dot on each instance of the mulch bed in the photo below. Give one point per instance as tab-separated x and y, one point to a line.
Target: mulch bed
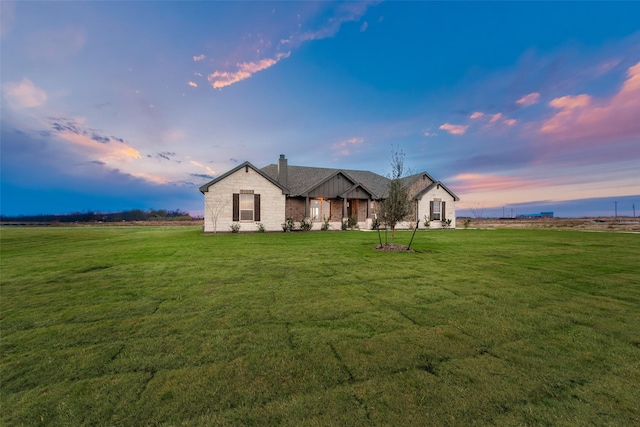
389	247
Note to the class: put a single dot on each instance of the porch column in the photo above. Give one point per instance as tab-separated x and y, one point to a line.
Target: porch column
344	208
306	208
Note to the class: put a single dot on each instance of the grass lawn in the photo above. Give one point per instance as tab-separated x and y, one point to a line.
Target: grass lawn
166	326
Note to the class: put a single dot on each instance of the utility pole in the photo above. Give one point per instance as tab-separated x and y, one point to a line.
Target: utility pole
616	205
634	209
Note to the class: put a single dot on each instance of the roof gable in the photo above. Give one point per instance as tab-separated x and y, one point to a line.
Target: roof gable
425	190
206	186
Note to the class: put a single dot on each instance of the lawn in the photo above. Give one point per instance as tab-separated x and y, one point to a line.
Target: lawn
167	326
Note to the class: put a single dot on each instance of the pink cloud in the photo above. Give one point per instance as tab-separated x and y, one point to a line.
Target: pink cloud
495	117
454	129
199	57
472	182
585	117
193	84
24	94
476	115
343	146
529	99
510	122
220	79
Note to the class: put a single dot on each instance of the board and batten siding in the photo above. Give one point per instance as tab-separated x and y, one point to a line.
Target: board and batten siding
218	202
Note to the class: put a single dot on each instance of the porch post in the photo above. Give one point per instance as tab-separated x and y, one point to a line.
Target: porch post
344	208
306	208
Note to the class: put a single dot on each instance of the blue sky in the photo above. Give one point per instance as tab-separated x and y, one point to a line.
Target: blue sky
526	106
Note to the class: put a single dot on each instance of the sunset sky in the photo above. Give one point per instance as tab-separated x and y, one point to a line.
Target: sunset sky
518	107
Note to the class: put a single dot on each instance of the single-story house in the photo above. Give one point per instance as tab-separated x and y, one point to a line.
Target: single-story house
249	196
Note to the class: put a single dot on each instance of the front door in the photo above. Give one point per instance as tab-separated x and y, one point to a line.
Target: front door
352	208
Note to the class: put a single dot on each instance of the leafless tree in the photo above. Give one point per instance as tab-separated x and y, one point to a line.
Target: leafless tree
396	206
215	209
477	209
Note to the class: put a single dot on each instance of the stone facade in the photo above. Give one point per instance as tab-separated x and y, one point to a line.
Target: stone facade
219	202
290	195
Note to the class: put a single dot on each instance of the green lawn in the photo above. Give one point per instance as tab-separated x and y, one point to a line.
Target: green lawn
167	326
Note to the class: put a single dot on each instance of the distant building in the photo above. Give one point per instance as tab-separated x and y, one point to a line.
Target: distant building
538	215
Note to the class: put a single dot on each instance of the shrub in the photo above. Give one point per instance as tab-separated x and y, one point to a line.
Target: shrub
325	224
427	223
288	225
466	223
235	227
446	223
375	225
261	227
306	224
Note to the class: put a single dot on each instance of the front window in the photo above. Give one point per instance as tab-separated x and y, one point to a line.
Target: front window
246	207
319	209
436	209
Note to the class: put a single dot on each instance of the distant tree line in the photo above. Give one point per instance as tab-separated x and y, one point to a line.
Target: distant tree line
90	216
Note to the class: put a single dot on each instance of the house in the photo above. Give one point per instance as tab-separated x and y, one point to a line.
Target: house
249	196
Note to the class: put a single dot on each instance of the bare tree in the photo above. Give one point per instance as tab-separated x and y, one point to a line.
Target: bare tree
396	206
215	209
477	209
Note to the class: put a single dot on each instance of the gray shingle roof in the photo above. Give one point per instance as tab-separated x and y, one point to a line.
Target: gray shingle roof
301	179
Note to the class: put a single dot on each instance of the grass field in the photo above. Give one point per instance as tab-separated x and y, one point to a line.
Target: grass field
166	326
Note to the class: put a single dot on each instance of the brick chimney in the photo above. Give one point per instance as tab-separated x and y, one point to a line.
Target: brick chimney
282	171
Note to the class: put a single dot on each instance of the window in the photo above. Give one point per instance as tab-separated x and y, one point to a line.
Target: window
246	206
319	209
437	207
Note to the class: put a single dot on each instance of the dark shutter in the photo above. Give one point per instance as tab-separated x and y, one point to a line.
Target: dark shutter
443	210
236	207
431	210
256	207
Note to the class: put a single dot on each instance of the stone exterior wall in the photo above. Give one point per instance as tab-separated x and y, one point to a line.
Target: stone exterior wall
218	202
450	208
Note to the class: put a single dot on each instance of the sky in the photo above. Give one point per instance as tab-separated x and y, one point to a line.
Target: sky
517	107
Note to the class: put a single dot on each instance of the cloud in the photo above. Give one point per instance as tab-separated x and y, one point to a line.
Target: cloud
495	117
193	84
364	26
343	146
220	79
345	12
588	118
473	182
529	99
92	142
454	129
200	165
570	102
202	176
199	57
166	155
24	94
